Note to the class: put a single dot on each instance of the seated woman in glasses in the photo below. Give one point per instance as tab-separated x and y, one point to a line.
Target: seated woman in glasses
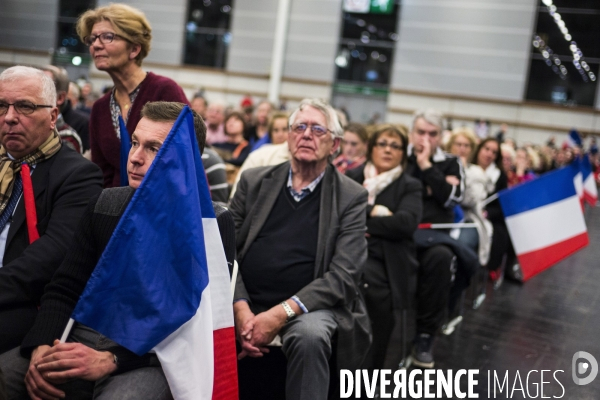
354	148
119	39
393	214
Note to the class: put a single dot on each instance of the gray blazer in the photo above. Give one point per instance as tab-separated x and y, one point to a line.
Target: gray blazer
341	251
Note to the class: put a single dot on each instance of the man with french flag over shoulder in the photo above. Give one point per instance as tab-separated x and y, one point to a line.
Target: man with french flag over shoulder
145	286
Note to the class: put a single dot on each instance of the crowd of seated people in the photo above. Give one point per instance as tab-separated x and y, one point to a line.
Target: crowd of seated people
331	219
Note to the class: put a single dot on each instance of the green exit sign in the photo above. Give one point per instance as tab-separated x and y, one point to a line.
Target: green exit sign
369	6
381	6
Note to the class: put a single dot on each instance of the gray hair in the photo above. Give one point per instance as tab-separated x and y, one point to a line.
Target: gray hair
60	77
48	92
430	115
333	122
74	89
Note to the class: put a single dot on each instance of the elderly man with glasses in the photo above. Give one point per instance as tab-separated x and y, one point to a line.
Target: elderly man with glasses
46	202
300	231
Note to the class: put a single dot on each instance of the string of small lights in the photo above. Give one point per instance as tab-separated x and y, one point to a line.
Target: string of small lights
551	58
578	59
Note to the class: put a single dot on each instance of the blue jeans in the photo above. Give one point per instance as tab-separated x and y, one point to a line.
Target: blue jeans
142	383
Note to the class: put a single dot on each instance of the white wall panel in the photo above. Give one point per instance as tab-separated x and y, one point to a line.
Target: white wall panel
469	48
28	24
252	30
313	39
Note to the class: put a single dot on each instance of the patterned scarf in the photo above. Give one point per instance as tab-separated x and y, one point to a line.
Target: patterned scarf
9	169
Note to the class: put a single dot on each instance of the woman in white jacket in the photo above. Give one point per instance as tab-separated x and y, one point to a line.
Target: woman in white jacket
477	187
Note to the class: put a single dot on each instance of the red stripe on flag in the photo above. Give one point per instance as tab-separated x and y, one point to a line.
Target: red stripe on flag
591	199
534	262
225	386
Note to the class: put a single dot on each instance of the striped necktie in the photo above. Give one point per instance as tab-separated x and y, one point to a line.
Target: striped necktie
12	203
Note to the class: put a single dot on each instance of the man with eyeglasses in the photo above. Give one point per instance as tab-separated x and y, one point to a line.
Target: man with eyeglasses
300	232
442	177
60	185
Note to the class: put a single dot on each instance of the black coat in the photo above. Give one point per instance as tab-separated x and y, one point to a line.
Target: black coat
78	121
394	234
494	211
63	186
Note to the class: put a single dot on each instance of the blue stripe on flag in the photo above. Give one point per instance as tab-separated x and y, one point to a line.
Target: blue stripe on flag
575	137
586	166
547	189
150	278
204	191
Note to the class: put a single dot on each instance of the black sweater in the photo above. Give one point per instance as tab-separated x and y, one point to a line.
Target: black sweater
281	260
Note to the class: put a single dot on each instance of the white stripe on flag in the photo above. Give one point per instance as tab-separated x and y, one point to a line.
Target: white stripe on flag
578	182
187	355
218	275
589	186
547	225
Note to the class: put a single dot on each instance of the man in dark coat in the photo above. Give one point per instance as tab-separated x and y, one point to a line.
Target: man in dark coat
97	364
443	182
300	233
63	183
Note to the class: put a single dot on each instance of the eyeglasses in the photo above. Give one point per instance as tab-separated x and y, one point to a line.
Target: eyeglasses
105	37
23	107
316	130
393	146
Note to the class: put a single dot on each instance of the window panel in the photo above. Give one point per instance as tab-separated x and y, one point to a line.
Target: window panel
207	32
559	72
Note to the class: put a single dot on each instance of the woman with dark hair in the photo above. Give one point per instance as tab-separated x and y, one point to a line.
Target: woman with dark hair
119	38
393	214
488	156
235	150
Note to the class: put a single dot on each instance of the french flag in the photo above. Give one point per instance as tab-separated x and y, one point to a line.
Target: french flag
162	284
574	139
589	188
545	220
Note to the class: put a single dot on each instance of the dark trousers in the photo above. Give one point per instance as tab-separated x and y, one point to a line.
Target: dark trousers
142	383
501	245
2	388
378	299
433	286
14	325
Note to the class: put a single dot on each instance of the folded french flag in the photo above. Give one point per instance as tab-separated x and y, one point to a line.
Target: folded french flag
545	220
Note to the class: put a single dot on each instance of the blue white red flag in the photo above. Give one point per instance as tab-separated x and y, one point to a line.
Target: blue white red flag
590	190
545	220
574	139
162	282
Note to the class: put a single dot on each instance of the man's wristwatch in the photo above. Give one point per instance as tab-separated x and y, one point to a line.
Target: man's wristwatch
288	310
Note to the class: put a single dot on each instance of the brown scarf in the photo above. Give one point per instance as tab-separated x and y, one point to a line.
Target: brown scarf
10	168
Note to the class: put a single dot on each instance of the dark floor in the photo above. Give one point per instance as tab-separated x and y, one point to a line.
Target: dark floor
535	326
